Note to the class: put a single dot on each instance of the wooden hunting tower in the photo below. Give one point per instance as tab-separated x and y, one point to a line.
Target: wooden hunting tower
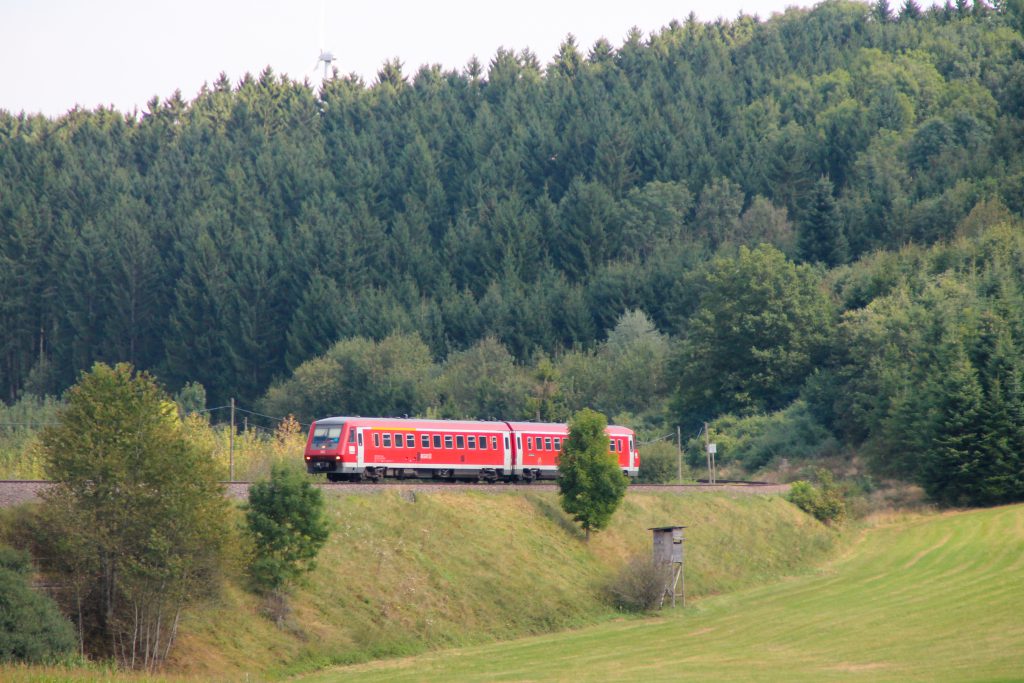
668	552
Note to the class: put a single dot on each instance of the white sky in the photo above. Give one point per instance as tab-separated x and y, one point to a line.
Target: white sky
55	54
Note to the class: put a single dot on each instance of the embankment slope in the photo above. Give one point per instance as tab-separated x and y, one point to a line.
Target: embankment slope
930	598
407	572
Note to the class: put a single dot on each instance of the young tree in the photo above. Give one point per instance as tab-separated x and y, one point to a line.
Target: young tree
589	480
286	520
136	522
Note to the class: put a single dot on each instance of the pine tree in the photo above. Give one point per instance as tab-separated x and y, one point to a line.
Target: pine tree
952	465
821	238
317	321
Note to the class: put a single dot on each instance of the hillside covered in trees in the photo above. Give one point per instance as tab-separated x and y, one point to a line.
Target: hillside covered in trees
806	228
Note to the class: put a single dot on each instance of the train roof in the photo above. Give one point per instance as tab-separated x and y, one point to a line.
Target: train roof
468	425
415	423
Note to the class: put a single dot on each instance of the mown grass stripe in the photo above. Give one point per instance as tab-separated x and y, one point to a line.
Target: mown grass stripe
936	598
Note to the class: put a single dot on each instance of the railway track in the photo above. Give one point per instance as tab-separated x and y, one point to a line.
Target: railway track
15	492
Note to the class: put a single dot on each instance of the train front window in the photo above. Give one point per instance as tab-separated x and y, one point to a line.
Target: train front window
326	437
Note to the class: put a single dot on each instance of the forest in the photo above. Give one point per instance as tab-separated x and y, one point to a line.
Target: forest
805	230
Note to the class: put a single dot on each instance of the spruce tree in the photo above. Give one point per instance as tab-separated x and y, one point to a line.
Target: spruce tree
821	238
952	465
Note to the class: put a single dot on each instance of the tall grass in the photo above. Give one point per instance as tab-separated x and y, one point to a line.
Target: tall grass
20	456
254	453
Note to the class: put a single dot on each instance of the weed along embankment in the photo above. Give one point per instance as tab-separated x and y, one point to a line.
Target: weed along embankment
407	572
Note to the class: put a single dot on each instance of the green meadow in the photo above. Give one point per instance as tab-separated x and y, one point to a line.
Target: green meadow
925	598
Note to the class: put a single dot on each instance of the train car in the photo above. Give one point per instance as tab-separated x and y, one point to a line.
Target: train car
357	448
537	446
354	448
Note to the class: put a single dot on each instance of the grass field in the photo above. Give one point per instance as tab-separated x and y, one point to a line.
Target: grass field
930	598
408	573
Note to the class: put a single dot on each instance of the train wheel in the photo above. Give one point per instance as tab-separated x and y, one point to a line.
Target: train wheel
334	477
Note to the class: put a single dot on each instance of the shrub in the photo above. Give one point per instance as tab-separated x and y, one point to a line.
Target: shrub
638	587
659	463
825	503
31	627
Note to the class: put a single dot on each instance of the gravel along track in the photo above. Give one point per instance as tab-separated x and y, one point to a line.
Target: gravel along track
17	492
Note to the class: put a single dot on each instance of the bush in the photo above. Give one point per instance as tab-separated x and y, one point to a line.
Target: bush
31	627
638	587
754	441
659	463
825	504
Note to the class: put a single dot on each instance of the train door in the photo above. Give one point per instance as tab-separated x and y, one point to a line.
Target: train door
508	454
359	448
519	452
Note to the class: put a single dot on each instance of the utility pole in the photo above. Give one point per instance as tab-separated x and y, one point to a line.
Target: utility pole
679	454
707	455
231	444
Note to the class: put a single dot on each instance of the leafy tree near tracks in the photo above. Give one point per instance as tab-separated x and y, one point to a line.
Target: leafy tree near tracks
589	480
288	527
136	524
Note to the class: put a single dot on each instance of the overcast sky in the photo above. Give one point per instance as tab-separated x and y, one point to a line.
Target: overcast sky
55	54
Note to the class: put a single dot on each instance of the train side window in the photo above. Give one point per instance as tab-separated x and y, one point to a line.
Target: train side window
387	441
460	441
558	444
351	436
631	446
611	445
376	439
471	440
547	443
437	440
360	438
494	442
410	441
529	443
447	441
424	441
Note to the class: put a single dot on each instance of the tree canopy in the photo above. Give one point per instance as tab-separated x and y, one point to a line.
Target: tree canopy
590	482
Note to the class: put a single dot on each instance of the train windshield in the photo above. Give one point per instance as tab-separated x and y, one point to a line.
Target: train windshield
326	437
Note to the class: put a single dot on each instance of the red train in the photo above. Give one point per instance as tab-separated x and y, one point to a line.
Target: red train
357	448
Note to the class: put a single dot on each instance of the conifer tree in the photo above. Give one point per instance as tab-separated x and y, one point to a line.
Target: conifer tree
821	238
